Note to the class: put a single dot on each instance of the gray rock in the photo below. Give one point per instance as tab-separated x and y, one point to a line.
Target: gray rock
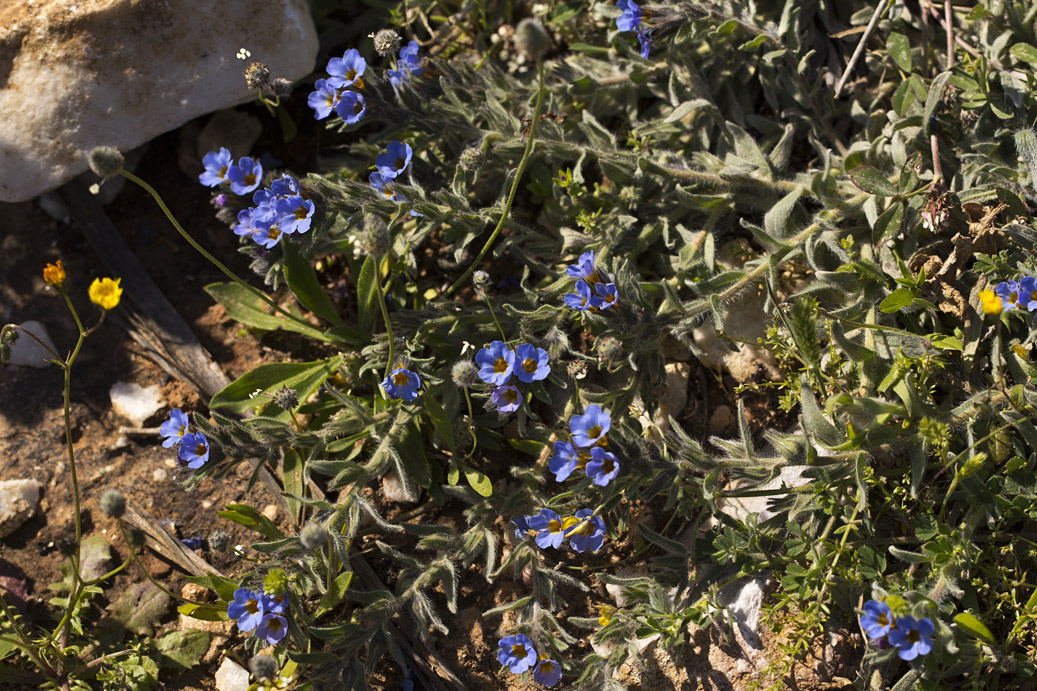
739	508
231	676
118	73
18	500
135	402
27	351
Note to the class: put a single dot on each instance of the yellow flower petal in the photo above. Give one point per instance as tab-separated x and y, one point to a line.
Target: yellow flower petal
105	292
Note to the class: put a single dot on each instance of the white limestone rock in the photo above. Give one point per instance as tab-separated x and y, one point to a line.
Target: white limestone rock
134	402
231	676
18	500
27	351
77	74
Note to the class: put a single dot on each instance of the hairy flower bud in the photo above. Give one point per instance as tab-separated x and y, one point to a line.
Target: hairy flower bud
112	503
374	239
281	86
263	667
610	349
386	42
105	161
481	280
313	536
531	39
464	373
471	158
286	399
219	541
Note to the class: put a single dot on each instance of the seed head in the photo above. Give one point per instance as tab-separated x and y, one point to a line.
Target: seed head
257	75
481	280
286	399
531	39
464	373
313	536
471	159
386	42
112	503
263	667
105	161
219	541
610	350
281	86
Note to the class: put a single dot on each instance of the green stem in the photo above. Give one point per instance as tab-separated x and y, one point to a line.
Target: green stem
201	250
537	109
489	306
385	315
164	589
471	428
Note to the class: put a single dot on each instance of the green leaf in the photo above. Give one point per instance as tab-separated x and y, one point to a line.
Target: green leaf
1014	203
896	301
888	224
367	295
245	515
302	279
909	557
181	650
478	481
140	608
814	420
243	306
934	98
412	454
978	12
530	447
971	625
288	127
900	50
335	594
204	612
1024	52
292	474
869	179
777	219
944	342
254	389
439	418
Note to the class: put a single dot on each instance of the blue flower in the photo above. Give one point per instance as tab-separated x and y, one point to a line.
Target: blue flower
323	100
275	603
646	40
409	57
516	653
507	398
585	531
495	363
395	159
590	428
548	672
602	467
268	234
606	296
521	524
549	527
631	17
175	427
564	461
216	167
247	608
531	363
581	299
284	186
272	628
194	449
246	176
877	619
402	383
351	107
347	70
295	214
380	183
251	221
584	266
913	637
192	542
1016	294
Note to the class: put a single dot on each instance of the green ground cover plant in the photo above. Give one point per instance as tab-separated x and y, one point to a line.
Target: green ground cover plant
526	220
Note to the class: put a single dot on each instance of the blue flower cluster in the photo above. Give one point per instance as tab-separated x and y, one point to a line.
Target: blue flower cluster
256	610
334	95
410	65
192	446
584	529
913	637
601	297
1019	294
632	19
243	178
389	166
402	383
279	210
586	451
498	362
518	655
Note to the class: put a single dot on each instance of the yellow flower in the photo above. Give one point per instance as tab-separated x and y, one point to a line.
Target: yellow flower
605	613
1020	351
105	292
991	302
54	274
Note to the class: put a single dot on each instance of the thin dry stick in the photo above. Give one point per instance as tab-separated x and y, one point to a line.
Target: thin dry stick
950	32
879	11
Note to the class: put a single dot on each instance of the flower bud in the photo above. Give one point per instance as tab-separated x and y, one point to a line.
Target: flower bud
105	161
313	536
374	239
471	158
610	349
481	280
112	503
386	42
464	373
281	86
54	274
219	541
263	667
531	39
286	399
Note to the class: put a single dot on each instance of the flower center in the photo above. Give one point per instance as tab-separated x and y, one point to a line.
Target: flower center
400	379
1013	298
252	606
300	213
351	74
500	366
331	100
607	466
274	623
547	667
594	432
554	526
518	650
199	450
275	232
511	395
883	620
358	108
250	179
400	163
913	636
530	365
223	172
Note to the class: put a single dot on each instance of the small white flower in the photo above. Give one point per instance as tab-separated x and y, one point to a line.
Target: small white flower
244	54
466	347
255	393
